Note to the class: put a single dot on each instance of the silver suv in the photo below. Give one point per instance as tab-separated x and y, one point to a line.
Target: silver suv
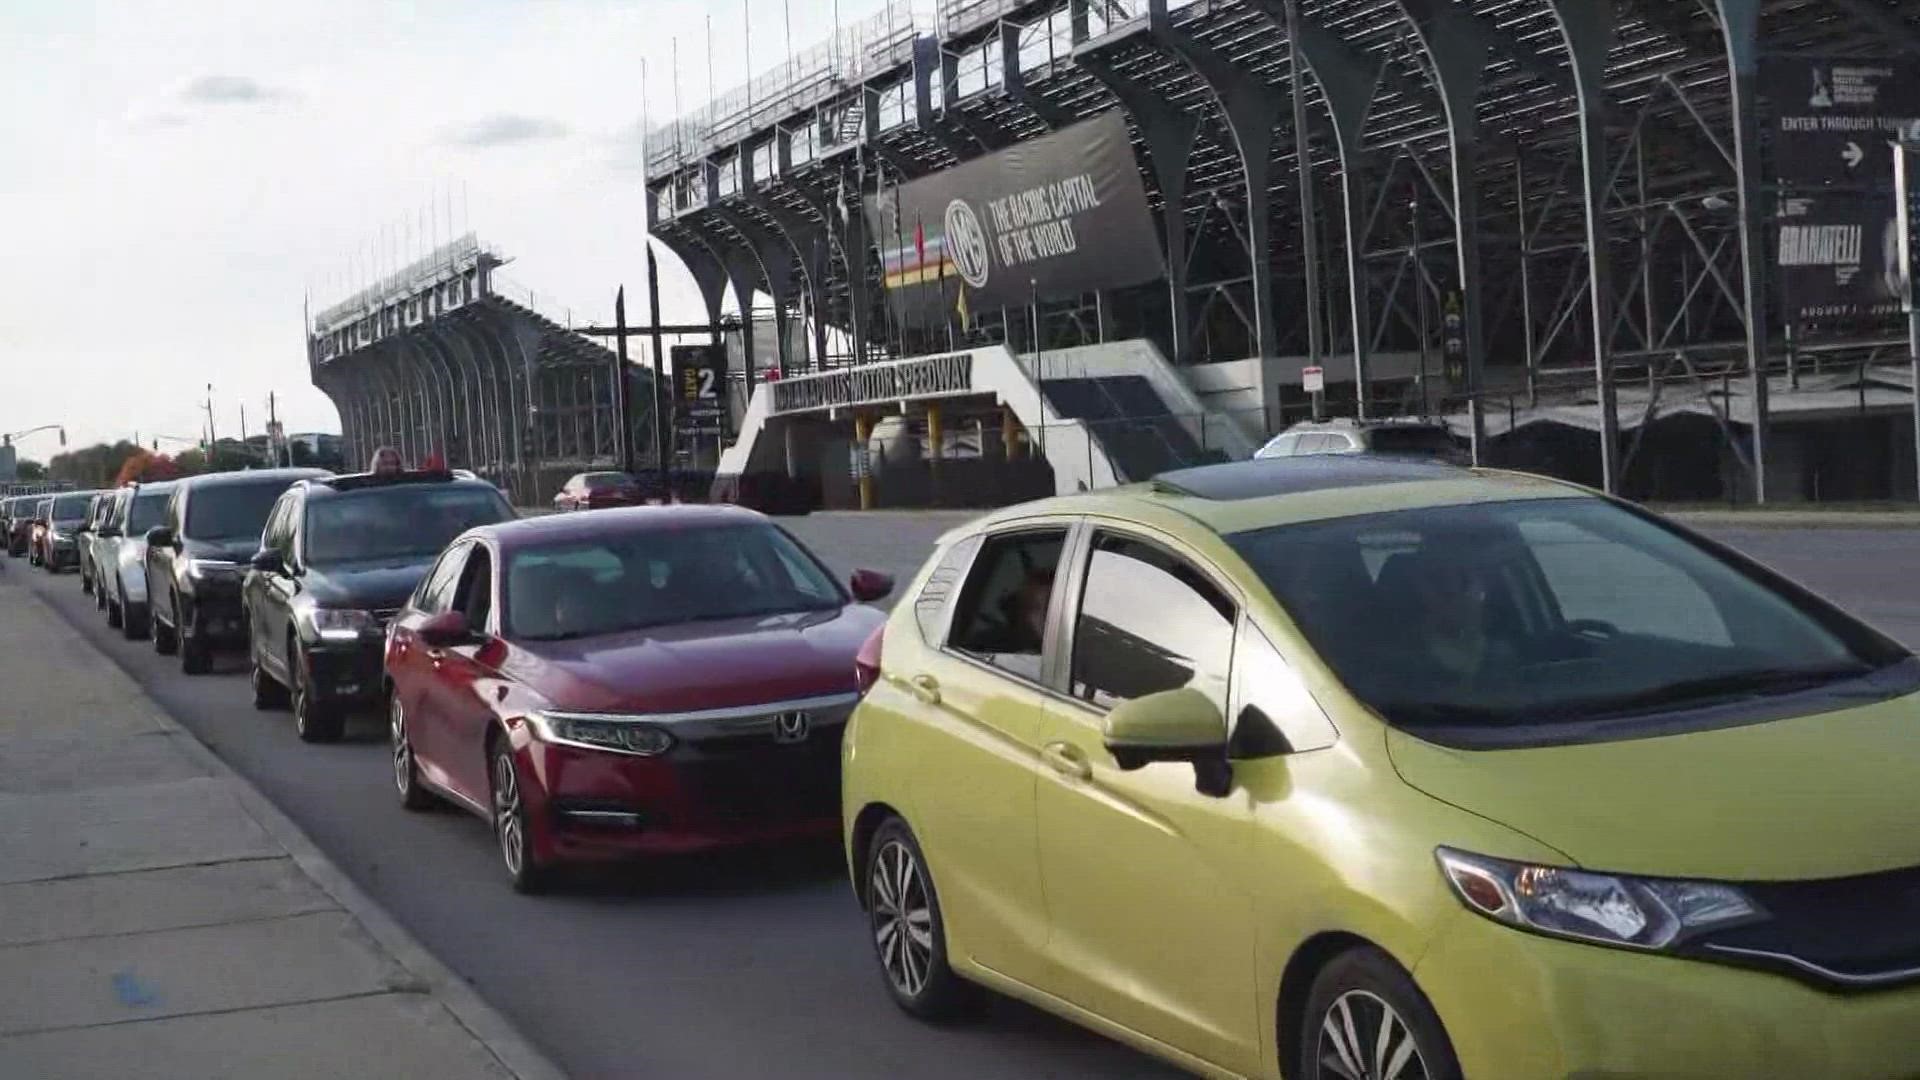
1395	437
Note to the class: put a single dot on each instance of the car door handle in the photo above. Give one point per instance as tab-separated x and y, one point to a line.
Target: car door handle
1067	760
926	688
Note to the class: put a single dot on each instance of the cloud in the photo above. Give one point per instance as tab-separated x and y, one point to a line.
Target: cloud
229	90
506	129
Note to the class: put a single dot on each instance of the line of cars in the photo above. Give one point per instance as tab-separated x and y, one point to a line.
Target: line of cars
1332	766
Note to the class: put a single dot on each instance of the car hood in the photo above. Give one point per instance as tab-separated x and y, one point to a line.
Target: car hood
375	585
1817	796
708	665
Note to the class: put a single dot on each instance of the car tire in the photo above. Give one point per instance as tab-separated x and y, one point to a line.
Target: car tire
166	639
314	721
512	824
406	772
268	694
195	657
135	622
116	616
86	583
908	931
1364	1016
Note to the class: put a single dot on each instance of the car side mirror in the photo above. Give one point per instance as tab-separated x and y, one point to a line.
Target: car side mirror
268	561
870	585
446	628
159	536
1173	725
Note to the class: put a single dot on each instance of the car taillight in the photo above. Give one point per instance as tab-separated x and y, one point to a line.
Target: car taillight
866	662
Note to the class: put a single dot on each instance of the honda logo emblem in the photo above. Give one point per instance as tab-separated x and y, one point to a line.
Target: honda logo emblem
791	727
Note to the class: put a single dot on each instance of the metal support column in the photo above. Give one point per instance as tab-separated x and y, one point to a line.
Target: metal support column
1587	26
1347	81
1459	47
1309	213
1740	23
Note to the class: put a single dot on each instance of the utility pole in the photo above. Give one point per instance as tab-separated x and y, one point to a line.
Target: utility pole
210	435
622	393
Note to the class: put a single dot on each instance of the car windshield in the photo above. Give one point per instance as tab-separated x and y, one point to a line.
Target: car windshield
661	577
231	511
1557	611
71	507
147	512
406	521
1412	440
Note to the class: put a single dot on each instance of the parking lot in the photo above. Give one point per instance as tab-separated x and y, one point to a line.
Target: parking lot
750	965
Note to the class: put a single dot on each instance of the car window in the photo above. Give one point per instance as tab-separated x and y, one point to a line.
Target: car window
1270	698
145	511
435	594
1282	446
1562	612
232	511
930	607
1148	622
475	594
70	507
1006	604
402	522
660	577
1311	443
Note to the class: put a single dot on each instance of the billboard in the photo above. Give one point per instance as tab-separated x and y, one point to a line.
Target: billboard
1056	217
1839	256
699	389
1833	118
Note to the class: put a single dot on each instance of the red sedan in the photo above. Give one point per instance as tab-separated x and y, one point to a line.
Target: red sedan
598	491
644	681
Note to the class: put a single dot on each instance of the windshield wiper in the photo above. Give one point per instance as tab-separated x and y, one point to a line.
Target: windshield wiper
1762	682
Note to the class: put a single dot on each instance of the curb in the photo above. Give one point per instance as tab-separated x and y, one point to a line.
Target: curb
488	1026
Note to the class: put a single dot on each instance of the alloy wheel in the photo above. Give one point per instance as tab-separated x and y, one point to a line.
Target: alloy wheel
402	751
902	918
507	821
1362	1038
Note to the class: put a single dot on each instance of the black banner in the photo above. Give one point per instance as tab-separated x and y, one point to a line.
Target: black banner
699	389
1839	256
1833	119
1053	218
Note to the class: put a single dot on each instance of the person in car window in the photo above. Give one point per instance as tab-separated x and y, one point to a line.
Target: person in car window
1024	624
386	462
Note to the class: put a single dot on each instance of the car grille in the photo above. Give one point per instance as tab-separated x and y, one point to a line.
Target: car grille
755	780
1855	933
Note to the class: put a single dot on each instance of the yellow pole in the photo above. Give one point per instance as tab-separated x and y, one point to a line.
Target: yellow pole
862	432
936	438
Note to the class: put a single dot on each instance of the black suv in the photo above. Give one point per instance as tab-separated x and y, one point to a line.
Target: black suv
196	557
339	556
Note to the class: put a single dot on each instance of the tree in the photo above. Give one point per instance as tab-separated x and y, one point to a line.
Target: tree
30	472
146	468
190	462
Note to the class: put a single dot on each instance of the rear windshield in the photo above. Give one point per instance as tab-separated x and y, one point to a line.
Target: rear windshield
71	507
603	481
1560	612
408	521
663	577
147	512
232	511
1412	440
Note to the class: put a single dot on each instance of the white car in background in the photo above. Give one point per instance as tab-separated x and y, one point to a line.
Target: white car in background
1393	437
121	555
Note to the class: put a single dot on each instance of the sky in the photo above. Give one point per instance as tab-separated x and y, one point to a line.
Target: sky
178	177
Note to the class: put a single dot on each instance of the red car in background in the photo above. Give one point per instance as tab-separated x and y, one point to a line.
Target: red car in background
644	681
599	491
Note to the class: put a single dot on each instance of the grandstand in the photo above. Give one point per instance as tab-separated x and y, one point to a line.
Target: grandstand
1439	211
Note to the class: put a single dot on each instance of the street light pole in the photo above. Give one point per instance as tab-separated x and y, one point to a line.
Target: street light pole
1906	182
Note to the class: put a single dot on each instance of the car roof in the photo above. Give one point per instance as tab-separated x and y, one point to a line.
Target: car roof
1246	495
329	486
249	476
533	532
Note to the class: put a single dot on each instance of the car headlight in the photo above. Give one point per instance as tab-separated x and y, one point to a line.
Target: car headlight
1610	909
212	569
602	731
339	622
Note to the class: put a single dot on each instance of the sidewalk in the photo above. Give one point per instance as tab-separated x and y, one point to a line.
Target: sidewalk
160	919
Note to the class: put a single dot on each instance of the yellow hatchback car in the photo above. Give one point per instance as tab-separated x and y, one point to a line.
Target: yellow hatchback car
1340	767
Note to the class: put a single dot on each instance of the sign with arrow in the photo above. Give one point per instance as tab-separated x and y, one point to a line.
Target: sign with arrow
1833	118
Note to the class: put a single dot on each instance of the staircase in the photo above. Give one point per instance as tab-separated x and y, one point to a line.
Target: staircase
1125	415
